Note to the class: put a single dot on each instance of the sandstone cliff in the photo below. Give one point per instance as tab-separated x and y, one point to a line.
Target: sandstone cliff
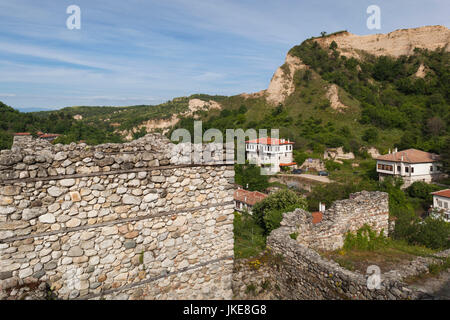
396	43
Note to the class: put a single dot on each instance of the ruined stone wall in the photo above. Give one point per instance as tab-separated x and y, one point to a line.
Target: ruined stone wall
304	274
126	221
294	270
343	216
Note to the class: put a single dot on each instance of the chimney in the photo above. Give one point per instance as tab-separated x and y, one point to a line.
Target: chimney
389	151
321	207
395	150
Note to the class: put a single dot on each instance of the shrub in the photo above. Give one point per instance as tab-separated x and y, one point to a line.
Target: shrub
365	239
433	233
268	213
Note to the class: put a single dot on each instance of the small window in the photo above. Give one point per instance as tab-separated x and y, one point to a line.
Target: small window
406	169
399	168
431	168
446	205
412	169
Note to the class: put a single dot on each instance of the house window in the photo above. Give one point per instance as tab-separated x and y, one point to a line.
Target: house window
399	168
379	167
446	205
406	169
431	168
412	169
439	203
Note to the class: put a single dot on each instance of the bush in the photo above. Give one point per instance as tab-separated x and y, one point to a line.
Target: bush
421	190
365	239
370	135
249	237
433	233
268	213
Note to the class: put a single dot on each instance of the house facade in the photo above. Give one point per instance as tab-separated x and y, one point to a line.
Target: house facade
270	153
411	165
245	200
441	203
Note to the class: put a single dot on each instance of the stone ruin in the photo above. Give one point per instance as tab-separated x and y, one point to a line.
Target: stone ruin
116	221
371	208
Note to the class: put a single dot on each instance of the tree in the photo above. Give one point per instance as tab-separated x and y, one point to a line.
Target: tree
445	155
435	126
333	45
269	212
370	135
249	176
433	233
323	34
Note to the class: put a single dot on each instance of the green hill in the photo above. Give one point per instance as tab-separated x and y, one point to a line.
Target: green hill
386	106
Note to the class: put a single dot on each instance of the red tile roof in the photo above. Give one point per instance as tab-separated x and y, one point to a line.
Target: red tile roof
317	217
443	193
270	141
22	134
249	197
410	156
288	164
49	135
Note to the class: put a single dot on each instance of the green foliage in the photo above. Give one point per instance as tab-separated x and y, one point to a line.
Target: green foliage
249	176
422	190
390	96
370	135
331	192
365	239
268	213
60	122
294	235
138	134
445	154
249	239
433	233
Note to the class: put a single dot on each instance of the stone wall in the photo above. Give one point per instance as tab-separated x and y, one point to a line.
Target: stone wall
305	274
343	216
292	269
116	221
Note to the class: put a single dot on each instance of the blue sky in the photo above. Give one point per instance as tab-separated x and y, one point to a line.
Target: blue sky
146	52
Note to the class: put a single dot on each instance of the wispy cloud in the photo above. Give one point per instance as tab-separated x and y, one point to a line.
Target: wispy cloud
150	51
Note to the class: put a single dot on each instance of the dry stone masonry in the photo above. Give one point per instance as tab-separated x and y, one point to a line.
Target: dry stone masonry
116	221
297	270
343	216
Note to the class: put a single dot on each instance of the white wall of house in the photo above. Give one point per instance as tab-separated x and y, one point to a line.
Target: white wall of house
442	203
410	172
269	154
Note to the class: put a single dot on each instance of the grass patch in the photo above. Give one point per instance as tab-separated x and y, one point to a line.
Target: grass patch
366	247
249	239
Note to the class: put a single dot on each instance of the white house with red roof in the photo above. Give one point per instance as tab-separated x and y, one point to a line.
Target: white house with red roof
245	200
268	151
441	203
411	165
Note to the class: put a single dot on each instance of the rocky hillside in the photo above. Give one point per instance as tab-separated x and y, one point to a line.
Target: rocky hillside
339	90
395	44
